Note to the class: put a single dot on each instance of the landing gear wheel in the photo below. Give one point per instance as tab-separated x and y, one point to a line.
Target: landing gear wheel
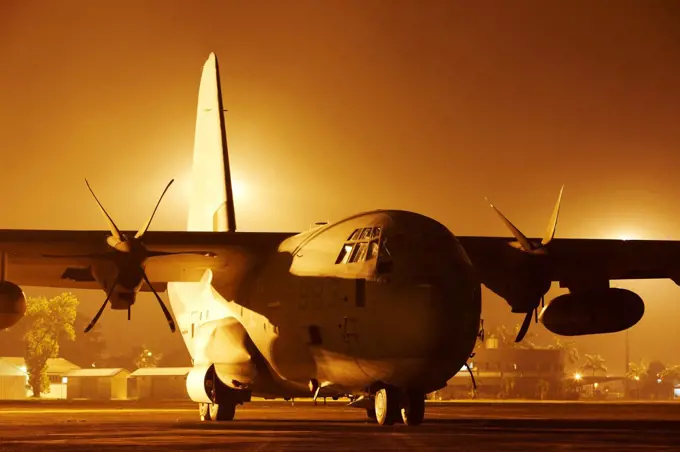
204	411
413	408
386	406
222	411
370	412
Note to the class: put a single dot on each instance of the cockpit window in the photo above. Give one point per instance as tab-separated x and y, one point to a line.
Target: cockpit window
346	251
363	245
355	235
359	252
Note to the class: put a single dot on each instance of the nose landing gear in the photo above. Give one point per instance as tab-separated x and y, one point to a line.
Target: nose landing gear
392	405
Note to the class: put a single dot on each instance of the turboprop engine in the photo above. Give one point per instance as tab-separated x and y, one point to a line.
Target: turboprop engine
12	304
597	311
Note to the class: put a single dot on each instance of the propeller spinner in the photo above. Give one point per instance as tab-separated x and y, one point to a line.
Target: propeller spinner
535	249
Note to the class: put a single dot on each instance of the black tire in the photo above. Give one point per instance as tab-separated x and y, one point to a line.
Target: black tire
222	411
386	406
370	412
204	411
413	408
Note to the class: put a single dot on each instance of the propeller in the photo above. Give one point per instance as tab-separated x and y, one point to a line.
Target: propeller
534	249
129	256
138	252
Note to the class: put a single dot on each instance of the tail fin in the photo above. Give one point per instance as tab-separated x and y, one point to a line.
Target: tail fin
211	203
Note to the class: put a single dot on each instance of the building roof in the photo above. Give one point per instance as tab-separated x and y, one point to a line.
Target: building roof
168	371
98	372
54	365
7	369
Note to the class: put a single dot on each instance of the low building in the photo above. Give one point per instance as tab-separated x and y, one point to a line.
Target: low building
511	372
159	383
97	384
57	368
13	382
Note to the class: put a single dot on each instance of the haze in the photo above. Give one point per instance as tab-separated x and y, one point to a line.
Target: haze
342	106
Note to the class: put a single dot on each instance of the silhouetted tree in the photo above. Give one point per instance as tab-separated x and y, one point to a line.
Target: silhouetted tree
146	358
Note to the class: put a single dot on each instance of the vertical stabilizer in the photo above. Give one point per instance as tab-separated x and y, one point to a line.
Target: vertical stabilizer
211	202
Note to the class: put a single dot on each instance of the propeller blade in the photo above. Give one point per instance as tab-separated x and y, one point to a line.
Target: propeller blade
141	232
521	238
550	232
115	232
168	317
524	328
101	310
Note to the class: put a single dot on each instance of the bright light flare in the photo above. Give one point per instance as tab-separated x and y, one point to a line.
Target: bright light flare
239	190
577	376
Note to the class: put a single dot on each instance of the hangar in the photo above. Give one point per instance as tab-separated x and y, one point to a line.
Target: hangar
97	384
159	383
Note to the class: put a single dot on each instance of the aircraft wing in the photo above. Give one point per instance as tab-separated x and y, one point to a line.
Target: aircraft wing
29	262
569	260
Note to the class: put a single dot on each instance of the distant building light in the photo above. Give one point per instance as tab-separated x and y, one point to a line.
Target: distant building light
596	384
658	380
64	380
637	378
577	376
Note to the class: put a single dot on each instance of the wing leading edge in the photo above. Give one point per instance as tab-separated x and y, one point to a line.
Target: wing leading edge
26	254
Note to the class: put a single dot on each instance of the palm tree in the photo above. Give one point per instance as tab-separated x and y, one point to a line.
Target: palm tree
671	373
594	363
637	371
506	337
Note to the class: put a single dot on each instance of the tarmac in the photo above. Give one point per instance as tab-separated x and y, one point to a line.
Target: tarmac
282	426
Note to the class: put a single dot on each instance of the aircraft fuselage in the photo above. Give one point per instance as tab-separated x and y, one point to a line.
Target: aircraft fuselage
381	298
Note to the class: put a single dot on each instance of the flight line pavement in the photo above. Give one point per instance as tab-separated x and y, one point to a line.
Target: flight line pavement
283	426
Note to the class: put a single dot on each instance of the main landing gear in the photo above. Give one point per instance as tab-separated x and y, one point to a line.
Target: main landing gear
392	405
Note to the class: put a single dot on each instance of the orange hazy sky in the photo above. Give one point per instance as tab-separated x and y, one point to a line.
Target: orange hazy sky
342	106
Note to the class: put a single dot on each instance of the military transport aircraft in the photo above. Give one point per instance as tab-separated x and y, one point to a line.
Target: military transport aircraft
382	307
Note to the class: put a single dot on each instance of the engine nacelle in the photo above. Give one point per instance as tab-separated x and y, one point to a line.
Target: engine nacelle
204	386
199	383
595	311
12	304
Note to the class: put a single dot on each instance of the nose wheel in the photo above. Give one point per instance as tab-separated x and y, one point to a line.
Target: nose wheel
217	412
392	405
